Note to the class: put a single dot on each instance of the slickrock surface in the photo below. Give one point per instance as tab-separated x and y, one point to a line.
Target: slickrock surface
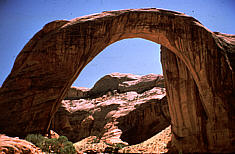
116	117
126	82
201	98
77	93
16	145
118	82
156	144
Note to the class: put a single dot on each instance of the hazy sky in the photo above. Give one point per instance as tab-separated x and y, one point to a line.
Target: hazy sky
21	19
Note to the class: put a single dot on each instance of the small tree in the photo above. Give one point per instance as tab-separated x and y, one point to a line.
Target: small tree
36	139
60	145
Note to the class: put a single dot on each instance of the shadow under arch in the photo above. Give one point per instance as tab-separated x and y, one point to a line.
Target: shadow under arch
51	61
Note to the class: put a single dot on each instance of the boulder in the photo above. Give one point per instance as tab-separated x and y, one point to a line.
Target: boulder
123	82
142	84
111	82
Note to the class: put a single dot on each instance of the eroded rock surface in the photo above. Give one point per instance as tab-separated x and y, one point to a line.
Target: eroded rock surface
49	63
116	117
16	145
117	82
77	93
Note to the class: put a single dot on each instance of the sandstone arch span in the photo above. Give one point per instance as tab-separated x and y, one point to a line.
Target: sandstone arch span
198	66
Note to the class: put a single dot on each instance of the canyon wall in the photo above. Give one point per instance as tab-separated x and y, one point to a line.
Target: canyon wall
201	98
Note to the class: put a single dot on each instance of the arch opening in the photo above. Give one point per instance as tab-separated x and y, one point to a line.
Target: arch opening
136	56
181	78
137	60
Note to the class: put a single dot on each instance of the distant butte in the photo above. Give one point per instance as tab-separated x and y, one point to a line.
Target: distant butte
198	68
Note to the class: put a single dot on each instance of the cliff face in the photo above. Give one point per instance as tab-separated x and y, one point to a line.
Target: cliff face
54	57
113	116
148	119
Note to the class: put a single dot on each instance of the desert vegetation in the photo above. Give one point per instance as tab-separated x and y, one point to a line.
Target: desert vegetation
36	144
52	145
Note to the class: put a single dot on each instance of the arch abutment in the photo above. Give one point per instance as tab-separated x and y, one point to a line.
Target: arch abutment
188	116
193	127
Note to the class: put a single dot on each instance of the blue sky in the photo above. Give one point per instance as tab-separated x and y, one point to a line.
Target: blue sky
21	19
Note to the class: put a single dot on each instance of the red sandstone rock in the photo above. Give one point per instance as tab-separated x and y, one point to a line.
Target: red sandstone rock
111	82
142	84
122	82
16	145
202	113
121	117
77	93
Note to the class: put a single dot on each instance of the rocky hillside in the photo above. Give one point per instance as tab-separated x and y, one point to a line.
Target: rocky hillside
120	108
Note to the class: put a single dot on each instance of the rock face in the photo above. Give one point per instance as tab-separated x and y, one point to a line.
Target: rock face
117	82
16	145
49	63
77	93
148	119
115	117
188	112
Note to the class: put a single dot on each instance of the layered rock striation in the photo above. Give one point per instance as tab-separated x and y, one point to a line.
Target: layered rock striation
16	145
201	99
117	82
116	117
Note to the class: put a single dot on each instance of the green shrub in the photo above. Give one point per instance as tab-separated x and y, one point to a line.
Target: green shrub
110	150
119	145
113	148
36	139
60	145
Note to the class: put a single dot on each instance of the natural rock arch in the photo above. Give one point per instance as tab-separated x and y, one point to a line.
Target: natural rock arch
198	66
